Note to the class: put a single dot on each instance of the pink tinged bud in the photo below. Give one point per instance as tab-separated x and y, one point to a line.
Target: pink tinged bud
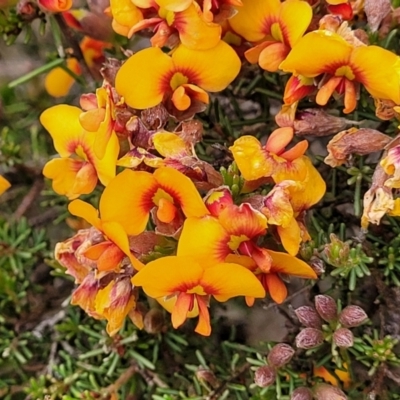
343	337
88	101
301	393
308	317
308	338
218	199
352	316
323	391
317	265
206	375
264	376
326	307
280	355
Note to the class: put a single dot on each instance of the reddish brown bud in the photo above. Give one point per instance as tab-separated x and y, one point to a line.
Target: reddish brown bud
264	376
343	337
376	11
308	317
354	141
206	375
153	321
326	307
280	355
315	122
308	338
352	316
301	393
323	391
317	264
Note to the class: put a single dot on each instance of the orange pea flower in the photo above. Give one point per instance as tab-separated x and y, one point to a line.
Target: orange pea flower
274	25
55	6
181	78
256	161
78	169
187	21
58	82
344	66
4	185
192	284
281	263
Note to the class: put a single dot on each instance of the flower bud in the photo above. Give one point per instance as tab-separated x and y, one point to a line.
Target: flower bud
343	337
206	375
317	264
280	355
153	321
326	307
309	338
218	199
301	393
323	391
352	316
264	376
308	317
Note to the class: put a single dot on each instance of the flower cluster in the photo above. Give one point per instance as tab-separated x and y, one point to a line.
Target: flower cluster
167	221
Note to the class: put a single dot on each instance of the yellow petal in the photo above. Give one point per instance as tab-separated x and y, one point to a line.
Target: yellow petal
294	19
290	236
169	144
86	211
226	280
70	177
141	79
125	13
168	275
197	65
4	185
290	265
204	239
194	31
58	82
378	70
62	122
251	159
127	200
182	189
276	288
252	19
174	5
328	51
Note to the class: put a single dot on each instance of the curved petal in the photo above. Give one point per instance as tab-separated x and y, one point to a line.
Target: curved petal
271	57
194	31
169	303
294	19
181	309
328	51
195	64
203	327
4	185
205	240
174	5
290	236
378	70
86	211
141	79
254	19
70	177
276	288
290	265
106	167
169	275
127	199
250	158
182	189
225	281
58	82
62	122
125	13
170	144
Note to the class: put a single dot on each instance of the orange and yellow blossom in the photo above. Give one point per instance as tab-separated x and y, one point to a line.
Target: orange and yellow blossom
151	76
191	284
58	82
4	185
187	21
256	161
345	66
78	169
274	25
